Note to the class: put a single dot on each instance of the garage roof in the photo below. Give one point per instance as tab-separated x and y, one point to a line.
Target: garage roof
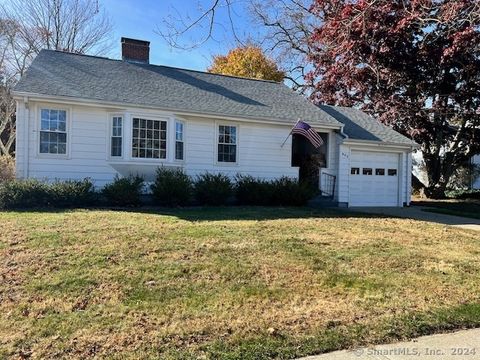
360	126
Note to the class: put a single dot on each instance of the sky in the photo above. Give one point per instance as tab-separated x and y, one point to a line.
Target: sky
141	19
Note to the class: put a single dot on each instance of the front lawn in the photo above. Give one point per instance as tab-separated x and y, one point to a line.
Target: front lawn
233	283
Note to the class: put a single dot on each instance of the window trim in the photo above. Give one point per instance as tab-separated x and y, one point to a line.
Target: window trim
110	135
216	143
174	150
38	126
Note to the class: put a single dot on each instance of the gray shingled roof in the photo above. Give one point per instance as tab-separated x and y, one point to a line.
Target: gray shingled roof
360	126
57	73
94	78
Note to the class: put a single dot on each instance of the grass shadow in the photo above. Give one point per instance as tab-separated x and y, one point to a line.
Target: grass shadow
224	213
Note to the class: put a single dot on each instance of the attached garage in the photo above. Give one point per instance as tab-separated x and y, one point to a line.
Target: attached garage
374	179
374	161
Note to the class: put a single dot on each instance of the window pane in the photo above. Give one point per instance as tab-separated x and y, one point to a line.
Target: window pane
52	148
45	114
116	146
44	148
62	115
179	131
53	115
355	171
380	172
62	148
392	172
53	125
179	150
227	153
45	125
149	140
62	137
367	171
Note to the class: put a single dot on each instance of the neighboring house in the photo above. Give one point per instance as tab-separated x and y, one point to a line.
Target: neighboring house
83	116
476	179
419	170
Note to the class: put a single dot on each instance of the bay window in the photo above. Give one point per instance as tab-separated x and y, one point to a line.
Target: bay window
149	139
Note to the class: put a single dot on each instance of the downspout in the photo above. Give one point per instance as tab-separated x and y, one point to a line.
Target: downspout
26	124
345	136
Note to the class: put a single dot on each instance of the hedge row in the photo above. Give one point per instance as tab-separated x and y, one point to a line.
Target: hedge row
463	194
170	188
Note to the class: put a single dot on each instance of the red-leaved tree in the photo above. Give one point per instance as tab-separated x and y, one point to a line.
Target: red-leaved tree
413	64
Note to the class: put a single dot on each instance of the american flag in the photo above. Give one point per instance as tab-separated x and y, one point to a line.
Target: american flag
302	128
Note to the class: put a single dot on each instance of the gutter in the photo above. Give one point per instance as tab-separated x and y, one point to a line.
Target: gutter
120	105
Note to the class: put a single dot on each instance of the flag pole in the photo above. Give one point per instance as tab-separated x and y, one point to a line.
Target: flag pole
290	133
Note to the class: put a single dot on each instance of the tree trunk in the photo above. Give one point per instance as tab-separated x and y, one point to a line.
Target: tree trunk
439	171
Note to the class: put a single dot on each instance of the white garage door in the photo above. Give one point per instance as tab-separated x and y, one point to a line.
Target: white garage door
373	179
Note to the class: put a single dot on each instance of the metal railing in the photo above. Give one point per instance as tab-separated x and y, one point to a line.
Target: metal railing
327	185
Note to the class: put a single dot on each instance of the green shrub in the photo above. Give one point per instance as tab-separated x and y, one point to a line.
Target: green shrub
7	168
213	189
284	191
72	193
463	194
126	191
33	193
251	191
172	187
24	194
290	192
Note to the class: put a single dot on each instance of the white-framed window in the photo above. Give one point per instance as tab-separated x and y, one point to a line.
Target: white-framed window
117	136
53	131
227	144
179	141
149	138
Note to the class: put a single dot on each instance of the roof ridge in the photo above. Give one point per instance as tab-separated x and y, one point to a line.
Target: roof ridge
165	66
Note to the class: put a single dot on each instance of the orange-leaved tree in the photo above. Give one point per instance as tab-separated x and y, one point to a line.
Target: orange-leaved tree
247	61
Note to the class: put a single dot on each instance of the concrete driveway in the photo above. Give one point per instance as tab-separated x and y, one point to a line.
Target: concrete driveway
461	345
418	213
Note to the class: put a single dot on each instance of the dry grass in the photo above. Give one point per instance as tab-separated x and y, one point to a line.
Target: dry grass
230	283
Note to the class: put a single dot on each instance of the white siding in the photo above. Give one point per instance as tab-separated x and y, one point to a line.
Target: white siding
259	147
343	174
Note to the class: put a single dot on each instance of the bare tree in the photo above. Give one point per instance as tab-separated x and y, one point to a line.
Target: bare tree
285	26
288	25
200	28
78	26
28	26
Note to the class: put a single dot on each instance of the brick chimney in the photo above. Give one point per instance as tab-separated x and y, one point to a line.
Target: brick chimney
135	50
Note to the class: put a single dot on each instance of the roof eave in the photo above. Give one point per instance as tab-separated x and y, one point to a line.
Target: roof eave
350	141
21	95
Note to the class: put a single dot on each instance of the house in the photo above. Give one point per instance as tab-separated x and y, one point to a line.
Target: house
475	181
84	116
